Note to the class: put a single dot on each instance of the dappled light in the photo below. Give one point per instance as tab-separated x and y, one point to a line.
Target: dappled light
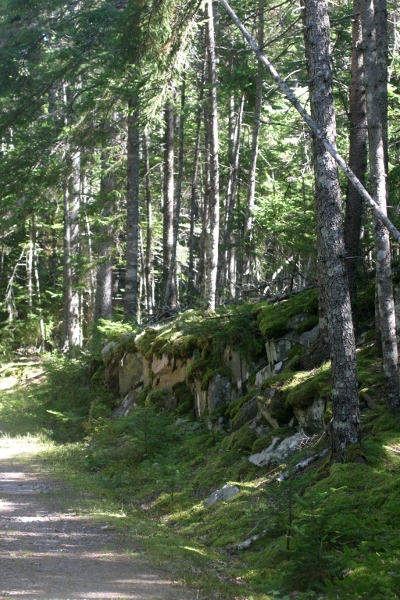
47	552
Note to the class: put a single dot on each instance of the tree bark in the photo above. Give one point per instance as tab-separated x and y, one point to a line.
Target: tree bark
168	207
104	289
170	299
212	258
313	126
377	138
132	216
194	200
248	225
229	236
149	236
71	319
357	153
345	410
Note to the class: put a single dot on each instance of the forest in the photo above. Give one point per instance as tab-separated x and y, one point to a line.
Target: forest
192	179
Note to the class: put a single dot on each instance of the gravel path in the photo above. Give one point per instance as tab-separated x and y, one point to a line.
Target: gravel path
48	553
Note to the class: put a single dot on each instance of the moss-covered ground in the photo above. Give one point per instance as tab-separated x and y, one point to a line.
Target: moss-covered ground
332	532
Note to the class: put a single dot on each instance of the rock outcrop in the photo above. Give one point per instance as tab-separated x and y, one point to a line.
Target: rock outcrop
140	366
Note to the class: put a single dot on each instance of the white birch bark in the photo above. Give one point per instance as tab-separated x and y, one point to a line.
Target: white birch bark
212	258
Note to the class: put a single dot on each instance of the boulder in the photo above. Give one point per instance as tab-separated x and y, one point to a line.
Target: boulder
293	322
240	371
200	398
225	493
167	373
262	375
108	350
130	372
127	405
311	418
273	408
247	412
309	337
111	376
278	451
219	391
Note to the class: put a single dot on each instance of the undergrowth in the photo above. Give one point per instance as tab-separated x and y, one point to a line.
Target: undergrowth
330	533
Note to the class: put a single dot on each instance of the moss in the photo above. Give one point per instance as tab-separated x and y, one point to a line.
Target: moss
294	355
145	342
305	387
234	407
184	398
242	439
142	395
273	318
157	398
210	373
307	325
277	407
370	335
98	376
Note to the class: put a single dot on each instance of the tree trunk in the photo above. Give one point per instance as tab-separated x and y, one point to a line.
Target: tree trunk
132	217
194	203
104	289
229	236
357	154
248	225
345	411
170	292
168	207
377	124
212	258
149	237
71	330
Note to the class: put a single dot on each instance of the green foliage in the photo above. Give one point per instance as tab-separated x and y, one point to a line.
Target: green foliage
332	531
307	325
273	318
241	440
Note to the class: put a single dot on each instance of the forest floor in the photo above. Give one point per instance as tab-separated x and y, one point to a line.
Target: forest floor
49	551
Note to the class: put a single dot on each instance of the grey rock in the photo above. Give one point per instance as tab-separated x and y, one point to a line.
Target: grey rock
225	493
262	375
108	350
309	337
311	418
127	405
219	391
293	322
278	367
130	372
276	453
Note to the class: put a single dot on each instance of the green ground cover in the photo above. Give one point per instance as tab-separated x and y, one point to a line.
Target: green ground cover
332	532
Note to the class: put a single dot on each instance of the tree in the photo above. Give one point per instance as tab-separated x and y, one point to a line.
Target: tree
357	152
376	96
331	253
213	238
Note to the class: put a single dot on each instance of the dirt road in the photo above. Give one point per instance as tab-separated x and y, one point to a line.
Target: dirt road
49	553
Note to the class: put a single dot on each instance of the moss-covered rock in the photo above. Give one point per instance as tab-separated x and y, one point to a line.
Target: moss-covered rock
242	439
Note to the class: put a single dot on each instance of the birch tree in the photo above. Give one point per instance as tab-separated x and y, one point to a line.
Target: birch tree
213	240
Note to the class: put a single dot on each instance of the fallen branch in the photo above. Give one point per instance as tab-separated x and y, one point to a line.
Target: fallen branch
302	465
249	542
312	125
